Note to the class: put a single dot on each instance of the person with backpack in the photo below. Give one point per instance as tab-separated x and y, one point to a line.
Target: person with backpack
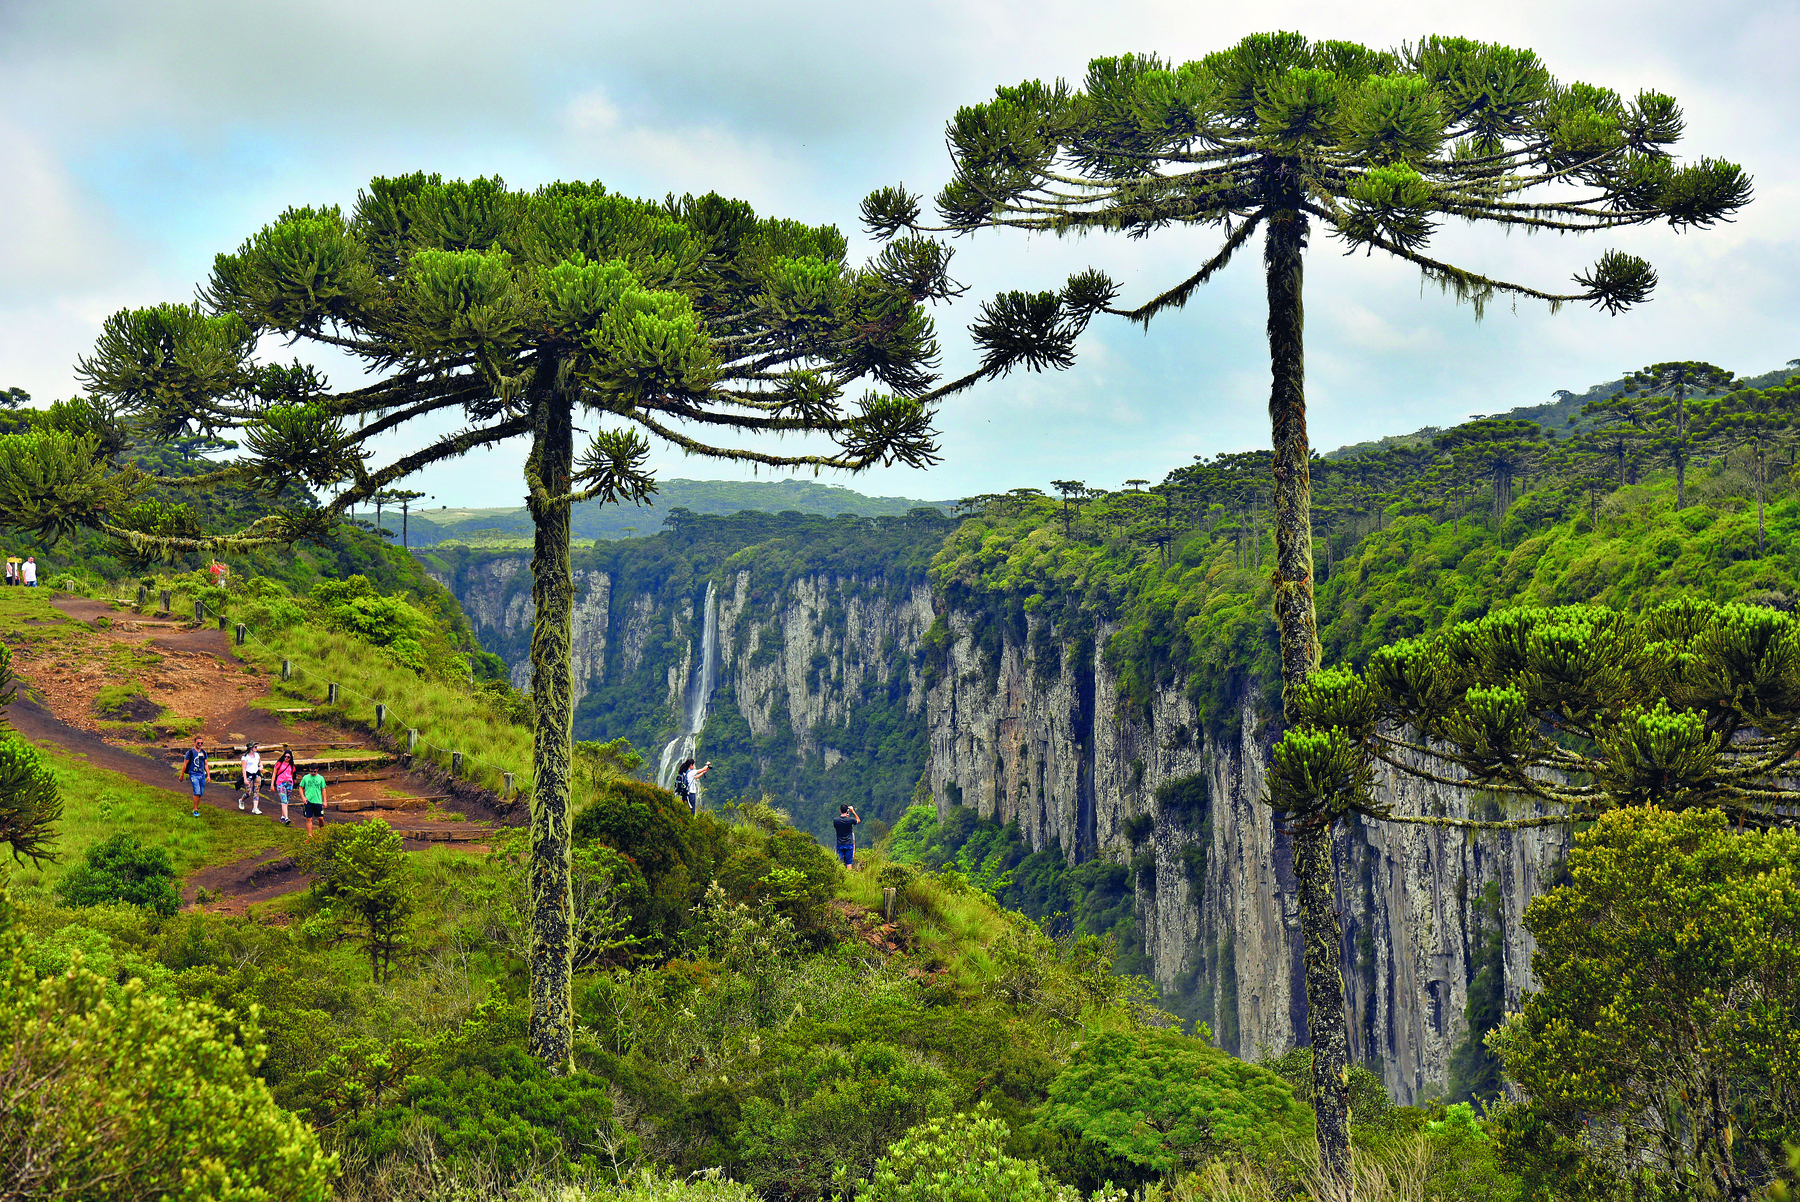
193	766
252	766
687	783
845	824
312	788
284	782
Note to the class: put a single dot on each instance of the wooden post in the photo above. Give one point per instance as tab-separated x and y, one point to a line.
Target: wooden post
412	741
143	596
199	613
380	715
890	901
456	763
241	632
287	669
221	621
507	777
331	693
167	601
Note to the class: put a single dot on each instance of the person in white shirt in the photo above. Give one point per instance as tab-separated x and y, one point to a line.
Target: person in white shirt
252	763
30	571
687	782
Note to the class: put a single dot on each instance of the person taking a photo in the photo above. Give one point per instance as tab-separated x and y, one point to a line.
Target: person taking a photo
845	823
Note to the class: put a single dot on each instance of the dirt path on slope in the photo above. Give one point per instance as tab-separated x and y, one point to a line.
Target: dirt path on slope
178	679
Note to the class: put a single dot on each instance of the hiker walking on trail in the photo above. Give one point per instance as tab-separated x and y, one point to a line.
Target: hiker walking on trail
29	569
284	782
252	765
845	824
193	766
12	572
312	788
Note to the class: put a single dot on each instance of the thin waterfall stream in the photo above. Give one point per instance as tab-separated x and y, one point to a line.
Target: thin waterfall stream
700	691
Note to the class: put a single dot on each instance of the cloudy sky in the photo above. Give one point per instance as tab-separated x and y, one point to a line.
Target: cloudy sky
137	140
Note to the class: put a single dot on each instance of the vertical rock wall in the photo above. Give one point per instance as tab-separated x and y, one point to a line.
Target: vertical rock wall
1057	751
1021	723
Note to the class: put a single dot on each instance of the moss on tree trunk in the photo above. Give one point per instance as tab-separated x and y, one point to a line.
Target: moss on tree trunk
548	471
1321	934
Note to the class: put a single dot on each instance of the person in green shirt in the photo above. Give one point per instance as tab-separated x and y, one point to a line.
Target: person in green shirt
312	787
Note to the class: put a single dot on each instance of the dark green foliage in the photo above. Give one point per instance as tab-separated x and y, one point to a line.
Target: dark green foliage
1165	1102
1093	898
484	1098
122	869
1474	1069
644	822
362	886
30	802
819	1106
1663	1043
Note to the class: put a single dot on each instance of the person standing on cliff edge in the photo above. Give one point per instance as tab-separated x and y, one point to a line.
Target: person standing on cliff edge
845	823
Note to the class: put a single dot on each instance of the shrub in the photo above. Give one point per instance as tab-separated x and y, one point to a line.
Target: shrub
959	1159
830	1109
644	822
1164	1101
1669	968
485	1098
122	869
362	879
119	1094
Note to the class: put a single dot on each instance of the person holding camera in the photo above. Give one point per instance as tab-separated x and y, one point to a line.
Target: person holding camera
687	783
845	824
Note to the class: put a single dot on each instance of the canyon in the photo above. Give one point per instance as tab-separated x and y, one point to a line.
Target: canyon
865	684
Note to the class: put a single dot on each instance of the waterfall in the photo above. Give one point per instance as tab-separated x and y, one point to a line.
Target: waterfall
700	691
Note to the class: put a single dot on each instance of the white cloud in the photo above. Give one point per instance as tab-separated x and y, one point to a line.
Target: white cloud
141	139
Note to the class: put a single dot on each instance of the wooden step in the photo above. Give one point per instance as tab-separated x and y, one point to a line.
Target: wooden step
356	805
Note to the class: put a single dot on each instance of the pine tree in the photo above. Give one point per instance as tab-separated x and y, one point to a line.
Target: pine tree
1276	134
1677	382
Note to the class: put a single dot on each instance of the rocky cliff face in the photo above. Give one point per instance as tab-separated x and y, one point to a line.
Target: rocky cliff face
496	596
1037	733
821	677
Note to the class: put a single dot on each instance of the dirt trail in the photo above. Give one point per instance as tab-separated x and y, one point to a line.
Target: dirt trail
180	680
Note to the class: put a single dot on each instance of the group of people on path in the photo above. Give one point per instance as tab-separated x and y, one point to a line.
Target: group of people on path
282	779
24	573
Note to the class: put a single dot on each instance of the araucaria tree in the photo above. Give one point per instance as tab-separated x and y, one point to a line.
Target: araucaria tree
1677	382
694	321
1283	136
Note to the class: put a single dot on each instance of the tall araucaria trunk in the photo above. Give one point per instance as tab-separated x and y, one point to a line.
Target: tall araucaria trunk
547	472
1680	447
1295	616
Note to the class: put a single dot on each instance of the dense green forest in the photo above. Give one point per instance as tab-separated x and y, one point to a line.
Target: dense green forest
749	1008
431	525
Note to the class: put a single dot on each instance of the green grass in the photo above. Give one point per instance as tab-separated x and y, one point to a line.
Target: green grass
98	804
447	715
952	926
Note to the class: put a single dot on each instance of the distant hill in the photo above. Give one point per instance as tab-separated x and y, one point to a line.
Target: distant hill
1561	416
428	527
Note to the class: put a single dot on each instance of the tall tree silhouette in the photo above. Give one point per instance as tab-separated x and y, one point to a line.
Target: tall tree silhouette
1376	147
